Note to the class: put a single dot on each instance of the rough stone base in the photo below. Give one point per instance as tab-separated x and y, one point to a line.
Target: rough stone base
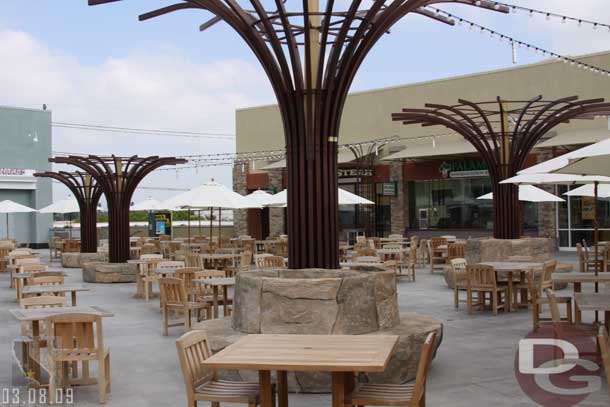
412	330
76	260
96	272
480	250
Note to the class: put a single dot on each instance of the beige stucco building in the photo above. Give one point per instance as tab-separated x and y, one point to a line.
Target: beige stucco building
409	178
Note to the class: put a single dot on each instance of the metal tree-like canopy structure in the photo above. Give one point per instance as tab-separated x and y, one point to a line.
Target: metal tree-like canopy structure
118	178
504	133
311	55
87	193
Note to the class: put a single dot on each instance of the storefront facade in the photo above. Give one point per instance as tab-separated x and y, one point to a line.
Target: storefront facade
427	183
26	147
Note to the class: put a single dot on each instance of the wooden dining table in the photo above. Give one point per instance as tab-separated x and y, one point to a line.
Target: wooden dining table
341	355
35	316
217	284
56	289
577	279
507	269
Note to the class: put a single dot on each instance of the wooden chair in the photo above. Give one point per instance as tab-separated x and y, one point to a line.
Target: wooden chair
193	260
367	259
537	288
202	383
187	274
408	395
174	298
424	254
460	278
204	293
77	338
587	262
482	279
365	252
604	346
45	280
436	254
560	324
270	262
151	278
409	262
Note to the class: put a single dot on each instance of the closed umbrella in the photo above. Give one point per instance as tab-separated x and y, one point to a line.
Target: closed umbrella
64	206
210	195
8	206
530	193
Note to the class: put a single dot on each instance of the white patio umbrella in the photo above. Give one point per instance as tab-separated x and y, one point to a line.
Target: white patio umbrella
8	206
149	204
64	206
345	198
558	164
530	193
260	198
210	195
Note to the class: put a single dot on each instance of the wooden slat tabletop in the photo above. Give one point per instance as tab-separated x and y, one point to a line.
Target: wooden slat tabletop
61	288
329	353
35	314
511	266
576	277
229	281
592	301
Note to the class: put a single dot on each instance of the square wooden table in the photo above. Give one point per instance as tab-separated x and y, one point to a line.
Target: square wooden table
56	289
342	355
509	268
577	279
216	284
35	315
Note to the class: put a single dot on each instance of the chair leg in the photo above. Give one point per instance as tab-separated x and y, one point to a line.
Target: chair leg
101	379
469	300
569	312
108	377
456	296
164	318
187	319
536	315
494	302
52	381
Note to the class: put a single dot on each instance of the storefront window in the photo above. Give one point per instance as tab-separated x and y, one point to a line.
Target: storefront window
576	216
453	204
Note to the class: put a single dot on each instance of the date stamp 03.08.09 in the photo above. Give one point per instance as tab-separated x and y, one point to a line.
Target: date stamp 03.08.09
32	397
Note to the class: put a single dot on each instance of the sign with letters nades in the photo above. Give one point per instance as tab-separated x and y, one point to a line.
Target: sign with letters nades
17	178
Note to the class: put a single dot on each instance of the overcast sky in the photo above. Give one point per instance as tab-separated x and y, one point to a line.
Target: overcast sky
99	65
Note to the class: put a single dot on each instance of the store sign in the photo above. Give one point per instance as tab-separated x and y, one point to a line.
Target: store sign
354	172
463	169
387	189
17	178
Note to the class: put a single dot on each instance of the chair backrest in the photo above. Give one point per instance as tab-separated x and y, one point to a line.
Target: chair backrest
455	250
193	260
481	276
37	274
210	274
150	256
395	236
193	349
419	390
555	315
32	268
366	251
604	346
187	274
245	260
546	280
268	262
30	259
437	241
458	266
170	264
75	336
412	260
44	301
173	291
367	259
46	280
